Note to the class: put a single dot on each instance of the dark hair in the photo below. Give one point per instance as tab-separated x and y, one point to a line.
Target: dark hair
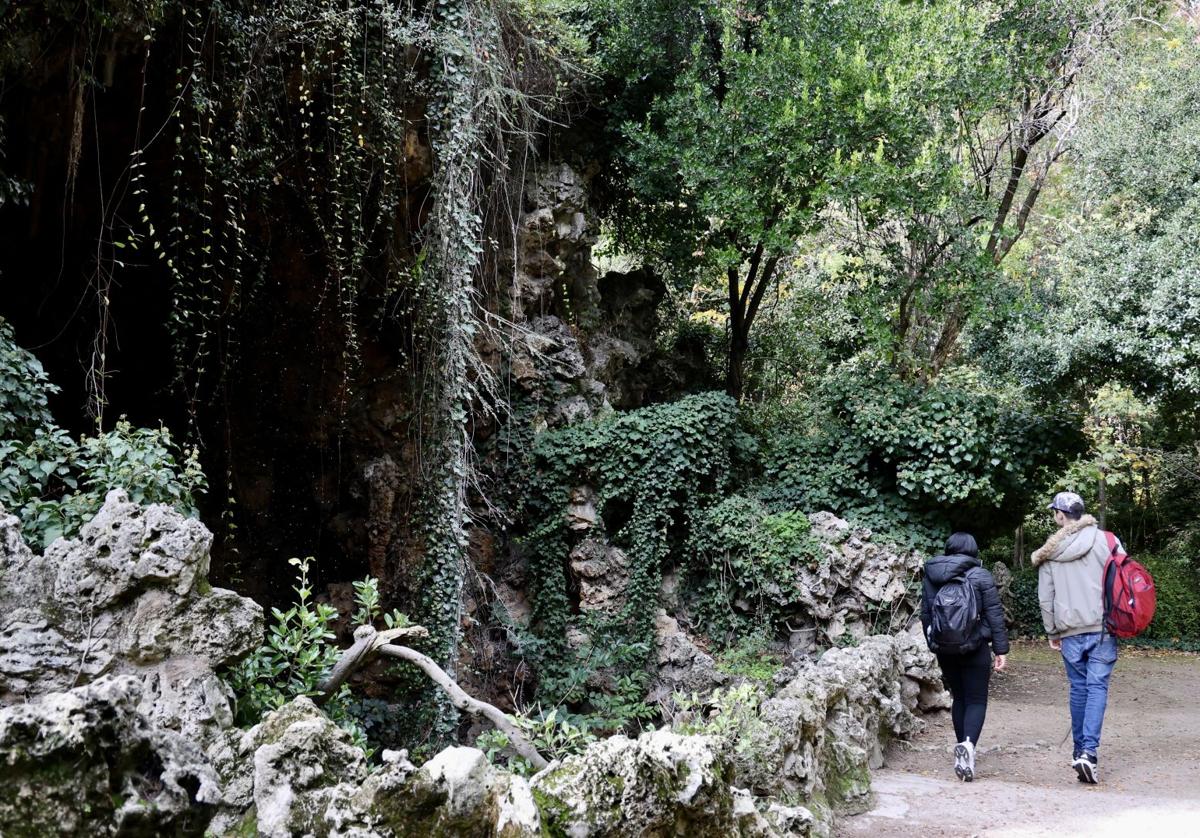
1075	512
962	544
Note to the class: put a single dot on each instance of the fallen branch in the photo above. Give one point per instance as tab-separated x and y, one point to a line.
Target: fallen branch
460	699
368	642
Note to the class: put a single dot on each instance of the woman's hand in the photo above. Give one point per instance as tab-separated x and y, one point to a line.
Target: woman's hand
1000	662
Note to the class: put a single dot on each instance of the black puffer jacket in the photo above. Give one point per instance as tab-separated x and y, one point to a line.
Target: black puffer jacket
941	569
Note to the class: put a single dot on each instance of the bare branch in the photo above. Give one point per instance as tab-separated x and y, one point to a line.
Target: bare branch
460	699
368	642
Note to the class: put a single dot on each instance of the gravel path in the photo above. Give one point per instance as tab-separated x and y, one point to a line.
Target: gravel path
1149	760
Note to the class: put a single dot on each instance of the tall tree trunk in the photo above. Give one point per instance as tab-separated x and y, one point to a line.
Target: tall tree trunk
735	383
738	343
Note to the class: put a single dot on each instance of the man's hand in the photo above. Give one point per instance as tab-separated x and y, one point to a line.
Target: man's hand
1000	662
1056	644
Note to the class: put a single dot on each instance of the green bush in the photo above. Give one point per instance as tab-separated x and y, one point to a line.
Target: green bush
1177	584
909	460
1023	606
24	389
750	658
742	553
299	652
555	736
55	483
1176	617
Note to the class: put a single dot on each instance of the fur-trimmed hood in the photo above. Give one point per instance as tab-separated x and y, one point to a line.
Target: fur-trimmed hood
1072	542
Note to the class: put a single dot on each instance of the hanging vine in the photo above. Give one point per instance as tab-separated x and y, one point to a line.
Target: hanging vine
382	145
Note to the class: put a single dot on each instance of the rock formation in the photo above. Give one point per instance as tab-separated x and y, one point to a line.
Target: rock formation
116	722
112	640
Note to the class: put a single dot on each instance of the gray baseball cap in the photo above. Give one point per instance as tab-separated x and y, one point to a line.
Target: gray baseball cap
1068	502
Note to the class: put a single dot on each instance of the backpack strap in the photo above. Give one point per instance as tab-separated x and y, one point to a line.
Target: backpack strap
1116	554
1115	547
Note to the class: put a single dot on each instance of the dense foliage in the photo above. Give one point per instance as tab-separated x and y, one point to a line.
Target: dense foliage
741	553
649	468
55	483
913	461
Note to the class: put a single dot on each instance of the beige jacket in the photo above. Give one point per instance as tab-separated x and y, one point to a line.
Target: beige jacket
1070	586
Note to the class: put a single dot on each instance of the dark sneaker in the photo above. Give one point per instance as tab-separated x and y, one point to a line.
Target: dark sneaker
964	761
1086	768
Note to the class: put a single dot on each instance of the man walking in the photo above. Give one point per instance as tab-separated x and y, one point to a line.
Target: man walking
1070	589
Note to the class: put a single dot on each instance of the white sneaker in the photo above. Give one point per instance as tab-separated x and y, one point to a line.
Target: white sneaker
964	760
1086	768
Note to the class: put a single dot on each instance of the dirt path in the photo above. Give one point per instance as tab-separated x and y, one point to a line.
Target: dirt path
1149	760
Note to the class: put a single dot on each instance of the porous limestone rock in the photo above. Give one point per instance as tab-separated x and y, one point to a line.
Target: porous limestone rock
125	608
88	762
302	762
682	665
602	571
661	783
825	730
129	595
922	684
308	779
858	588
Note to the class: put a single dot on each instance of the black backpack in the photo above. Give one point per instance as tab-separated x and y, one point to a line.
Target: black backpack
953	629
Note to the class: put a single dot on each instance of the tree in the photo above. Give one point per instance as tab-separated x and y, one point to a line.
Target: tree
740	122
930	238
1123	282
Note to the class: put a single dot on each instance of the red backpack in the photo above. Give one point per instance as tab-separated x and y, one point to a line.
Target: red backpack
1129	597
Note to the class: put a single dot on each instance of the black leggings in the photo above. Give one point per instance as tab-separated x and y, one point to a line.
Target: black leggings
967	676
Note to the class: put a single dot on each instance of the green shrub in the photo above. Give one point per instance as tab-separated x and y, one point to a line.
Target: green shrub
299	653
24	389
911	461
729	715
555	736
1177	585
1023	605
1176	617
750	658
742	553
55	483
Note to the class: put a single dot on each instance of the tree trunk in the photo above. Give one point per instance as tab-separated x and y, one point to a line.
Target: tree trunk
735	383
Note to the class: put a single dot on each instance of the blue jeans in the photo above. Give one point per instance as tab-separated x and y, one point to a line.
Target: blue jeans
1089	659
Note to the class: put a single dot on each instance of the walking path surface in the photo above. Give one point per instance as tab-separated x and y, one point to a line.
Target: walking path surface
1149	760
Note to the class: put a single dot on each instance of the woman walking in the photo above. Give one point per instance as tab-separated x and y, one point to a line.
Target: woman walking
964	625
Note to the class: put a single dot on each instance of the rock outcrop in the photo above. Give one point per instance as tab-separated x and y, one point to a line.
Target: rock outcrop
583	344
113	639
863	588
682	665
825	730
87	761
129	595
661	783
116	723
307	779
